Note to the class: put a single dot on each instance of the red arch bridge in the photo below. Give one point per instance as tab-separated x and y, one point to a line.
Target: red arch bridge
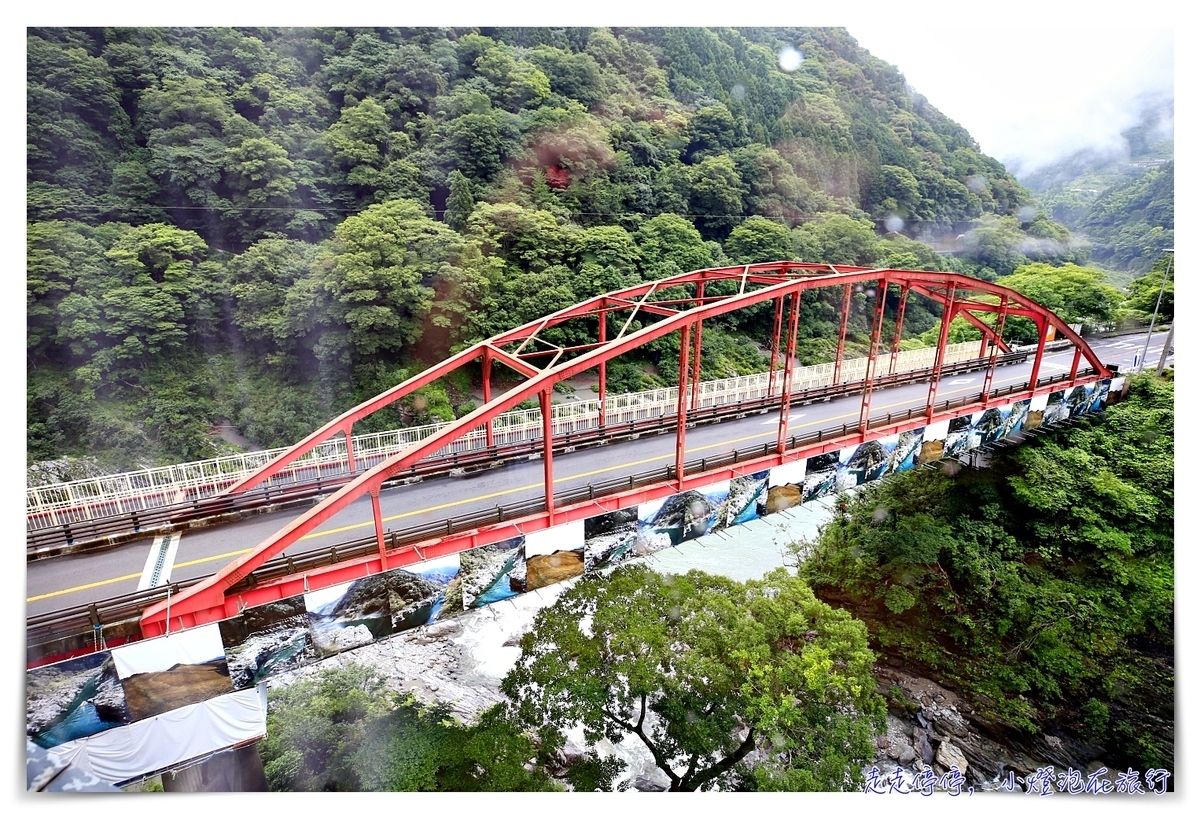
604	327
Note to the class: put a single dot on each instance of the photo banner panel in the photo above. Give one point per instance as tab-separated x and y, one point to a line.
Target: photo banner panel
73	699
494	572
680	517
989	426
820	475
163	674
349	614
610	538
554	554
746	500
1079	399
272	638
785	487
907	451
190	732
861	464
958	436
933	442
1018	416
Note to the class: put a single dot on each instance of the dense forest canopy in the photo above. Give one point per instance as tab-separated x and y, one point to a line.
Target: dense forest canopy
271	224
1123	204
1042	587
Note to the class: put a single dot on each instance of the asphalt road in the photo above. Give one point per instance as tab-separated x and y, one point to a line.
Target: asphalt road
67	581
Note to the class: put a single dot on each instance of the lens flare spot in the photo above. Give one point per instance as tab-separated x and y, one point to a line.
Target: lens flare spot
790	58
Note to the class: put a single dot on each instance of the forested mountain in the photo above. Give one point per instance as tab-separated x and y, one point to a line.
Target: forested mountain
270	225
1123	203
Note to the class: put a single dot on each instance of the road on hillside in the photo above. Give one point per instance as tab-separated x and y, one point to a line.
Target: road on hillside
68	581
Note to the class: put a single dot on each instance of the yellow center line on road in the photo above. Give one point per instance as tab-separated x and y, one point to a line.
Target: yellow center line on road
621	466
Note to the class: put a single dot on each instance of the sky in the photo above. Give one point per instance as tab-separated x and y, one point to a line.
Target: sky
1033	94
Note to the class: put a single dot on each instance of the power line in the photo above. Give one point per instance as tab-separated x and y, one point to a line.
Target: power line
613	213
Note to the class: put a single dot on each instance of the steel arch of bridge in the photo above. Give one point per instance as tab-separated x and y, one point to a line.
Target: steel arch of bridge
682	304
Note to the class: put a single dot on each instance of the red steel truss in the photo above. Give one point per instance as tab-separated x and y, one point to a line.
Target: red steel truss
675	304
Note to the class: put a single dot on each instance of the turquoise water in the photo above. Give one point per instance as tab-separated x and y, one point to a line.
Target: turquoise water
80	719
500	588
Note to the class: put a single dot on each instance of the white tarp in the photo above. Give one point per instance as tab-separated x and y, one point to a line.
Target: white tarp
565	537
129	752
785	473
195	646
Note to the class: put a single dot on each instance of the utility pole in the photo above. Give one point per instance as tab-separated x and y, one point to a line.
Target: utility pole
1146	346
1162	360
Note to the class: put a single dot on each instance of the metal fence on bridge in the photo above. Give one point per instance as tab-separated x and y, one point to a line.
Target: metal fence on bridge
79	500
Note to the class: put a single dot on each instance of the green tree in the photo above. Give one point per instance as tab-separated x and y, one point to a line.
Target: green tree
759	239
715	195
371	157
315	725
461	201
671	244
1144	291
386	263
704	670
1034	586
713	131
835	238
1075	293
576	76
341	730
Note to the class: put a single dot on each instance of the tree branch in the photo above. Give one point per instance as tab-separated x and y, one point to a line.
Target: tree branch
721	767
654	751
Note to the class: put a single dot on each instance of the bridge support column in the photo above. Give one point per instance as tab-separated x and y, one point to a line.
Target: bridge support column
899	328
379	538
695	400
681	407
864	415
548	450
772	376
785	407
1041	351
940	355
991	368
1075	364
841	347
602	336
349	447
487	393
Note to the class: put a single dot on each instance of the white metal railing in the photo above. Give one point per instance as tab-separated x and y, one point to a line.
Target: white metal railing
78	500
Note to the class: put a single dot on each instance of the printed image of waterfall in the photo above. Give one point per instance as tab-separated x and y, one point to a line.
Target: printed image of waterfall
1078	400
904	455
746	495
1099	396
1056	408
989	426
73	699
491	573
958	439
820	475
609	538
680	517
1018	414
266	640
